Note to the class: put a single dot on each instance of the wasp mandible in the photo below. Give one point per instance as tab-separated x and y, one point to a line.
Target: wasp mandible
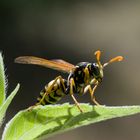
83	77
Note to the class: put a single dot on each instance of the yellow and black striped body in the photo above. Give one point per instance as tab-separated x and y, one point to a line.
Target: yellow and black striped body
53	95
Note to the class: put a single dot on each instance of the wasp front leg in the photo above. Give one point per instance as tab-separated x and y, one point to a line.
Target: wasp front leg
86	78
72	84
92	91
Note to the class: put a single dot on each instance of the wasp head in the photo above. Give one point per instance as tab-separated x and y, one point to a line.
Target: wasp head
97	68
97	71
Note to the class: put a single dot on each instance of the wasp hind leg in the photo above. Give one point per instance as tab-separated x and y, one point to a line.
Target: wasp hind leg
72	84
92	91
54	82
48	90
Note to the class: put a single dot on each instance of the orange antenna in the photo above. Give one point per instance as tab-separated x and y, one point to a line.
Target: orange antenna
115	59
98	56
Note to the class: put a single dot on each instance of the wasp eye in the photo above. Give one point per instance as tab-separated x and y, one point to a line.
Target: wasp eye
95	69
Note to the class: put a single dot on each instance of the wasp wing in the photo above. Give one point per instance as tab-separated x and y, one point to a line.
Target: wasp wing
53	64
60	61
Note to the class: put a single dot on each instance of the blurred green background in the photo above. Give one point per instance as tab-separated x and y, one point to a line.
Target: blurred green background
73	30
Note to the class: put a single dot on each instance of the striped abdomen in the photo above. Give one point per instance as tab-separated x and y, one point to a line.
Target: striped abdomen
51	96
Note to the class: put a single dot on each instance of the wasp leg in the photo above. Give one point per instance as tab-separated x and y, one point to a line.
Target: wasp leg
91	91
86	71
72	83
55	80
31	107
48	89
93	81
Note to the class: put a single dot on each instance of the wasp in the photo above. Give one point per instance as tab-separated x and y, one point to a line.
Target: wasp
83	77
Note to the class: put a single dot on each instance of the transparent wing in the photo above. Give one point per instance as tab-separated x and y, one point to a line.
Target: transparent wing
58	64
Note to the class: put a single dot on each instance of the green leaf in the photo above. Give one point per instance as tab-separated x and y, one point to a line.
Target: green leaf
52	119
4	107
2	81
4	103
